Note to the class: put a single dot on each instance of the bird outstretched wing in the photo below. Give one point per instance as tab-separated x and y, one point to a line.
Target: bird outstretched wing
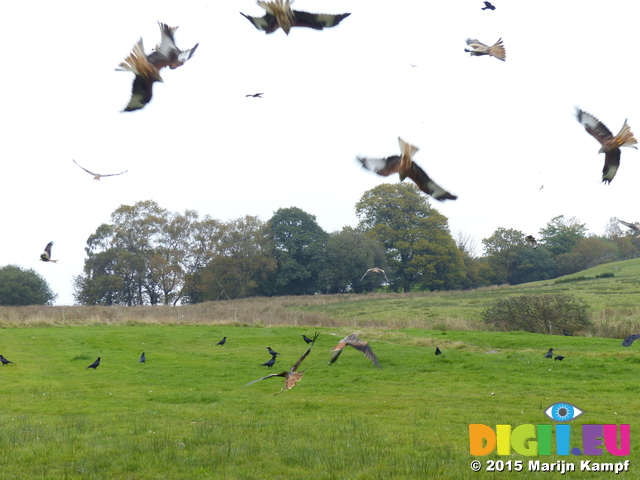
358	344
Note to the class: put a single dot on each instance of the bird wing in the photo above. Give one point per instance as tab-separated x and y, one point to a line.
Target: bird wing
88	171
141	93
594	127
633	226
166	52
476	44
268	23
382	166
317	21
114	174
611	164
47	251
427	185
304	355
281	374
337	350
356	343
628	341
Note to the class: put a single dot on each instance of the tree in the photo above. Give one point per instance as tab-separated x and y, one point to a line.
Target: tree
299	252
419	247
562	234
502	249
596	250
24	287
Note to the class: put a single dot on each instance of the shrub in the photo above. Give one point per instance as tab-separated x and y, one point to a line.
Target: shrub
548	314
605	275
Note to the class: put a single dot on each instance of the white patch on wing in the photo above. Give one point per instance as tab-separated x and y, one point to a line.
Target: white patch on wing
375	164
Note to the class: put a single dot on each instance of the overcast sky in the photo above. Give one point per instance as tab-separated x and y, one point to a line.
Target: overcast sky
490	132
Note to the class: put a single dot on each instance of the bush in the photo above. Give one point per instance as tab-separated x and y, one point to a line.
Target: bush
605	275
23	287
548	314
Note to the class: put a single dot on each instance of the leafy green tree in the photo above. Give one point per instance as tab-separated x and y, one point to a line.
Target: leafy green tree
502	250
562	234
624	238
569	263
595	251
532	265
419	247
299	251
24	287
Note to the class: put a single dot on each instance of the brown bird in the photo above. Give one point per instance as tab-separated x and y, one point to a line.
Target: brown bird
376	270
46	255
167	54
404	166
293	376
478	48
610	144
532	241
280	15
97	176
142	88
356	343
632	226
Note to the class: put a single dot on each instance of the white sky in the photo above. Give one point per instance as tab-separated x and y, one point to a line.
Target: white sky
490	132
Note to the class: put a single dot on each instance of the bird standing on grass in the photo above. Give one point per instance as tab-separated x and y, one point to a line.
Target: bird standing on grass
143	358
222	342
549	354
270	363
559	357
438	351
95	364
566	334
4	361
356	343
272	352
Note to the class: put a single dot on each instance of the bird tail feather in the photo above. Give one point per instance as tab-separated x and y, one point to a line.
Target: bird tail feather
498	51
626	138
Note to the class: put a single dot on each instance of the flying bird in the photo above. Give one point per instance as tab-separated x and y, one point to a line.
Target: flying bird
376	270
222	342
307	339
46	255
272	352
488	6
478	48
438	351
255	95
4	361
143	358
280	15
549	354
610	144
95	364
406	167
142	88
270	363
628	341
632	226
559	357
293	376
566	334
167	54
356	343
97	176
532	241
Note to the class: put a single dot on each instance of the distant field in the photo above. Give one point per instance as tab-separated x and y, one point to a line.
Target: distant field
185	415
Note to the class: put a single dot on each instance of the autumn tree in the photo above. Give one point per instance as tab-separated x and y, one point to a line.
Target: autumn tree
419	247
562	234
19	286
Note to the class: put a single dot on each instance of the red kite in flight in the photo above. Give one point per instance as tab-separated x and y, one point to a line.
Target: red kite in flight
46	255
610	144
632	226
293	376
356	343
280	15
167	54
142	88
406	167
532	241
376	270
97	176
478	48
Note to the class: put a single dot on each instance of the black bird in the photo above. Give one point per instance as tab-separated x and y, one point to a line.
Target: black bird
549	354
143	358
95	364
559	357
270	363
438	351
255	95
488	6
307	339
625	343
272	352
4	361
222	342
566	334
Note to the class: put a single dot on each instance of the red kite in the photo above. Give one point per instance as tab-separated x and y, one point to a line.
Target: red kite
97	176
610	144
167	54
406	167
46	255
376	270
532	241
478	48
280	15
142	88
356	343
632	226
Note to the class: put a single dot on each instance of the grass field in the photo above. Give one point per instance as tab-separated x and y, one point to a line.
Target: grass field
185	414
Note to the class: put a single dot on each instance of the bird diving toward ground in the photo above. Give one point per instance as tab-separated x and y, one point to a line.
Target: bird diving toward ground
566	334
293	376
97	176
610	144
628	341
532	241
146	74
438	351
143	358
632	226
270	363
280	15
272	352
4	361
559	357
255	95
307	339
167	54
95	364
222	342
356	343
488	6
549	354
376	270
46	255
404	166
477	48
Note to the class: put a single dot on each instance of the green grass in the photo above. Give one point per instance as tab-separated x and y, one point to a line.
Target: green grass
184	414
